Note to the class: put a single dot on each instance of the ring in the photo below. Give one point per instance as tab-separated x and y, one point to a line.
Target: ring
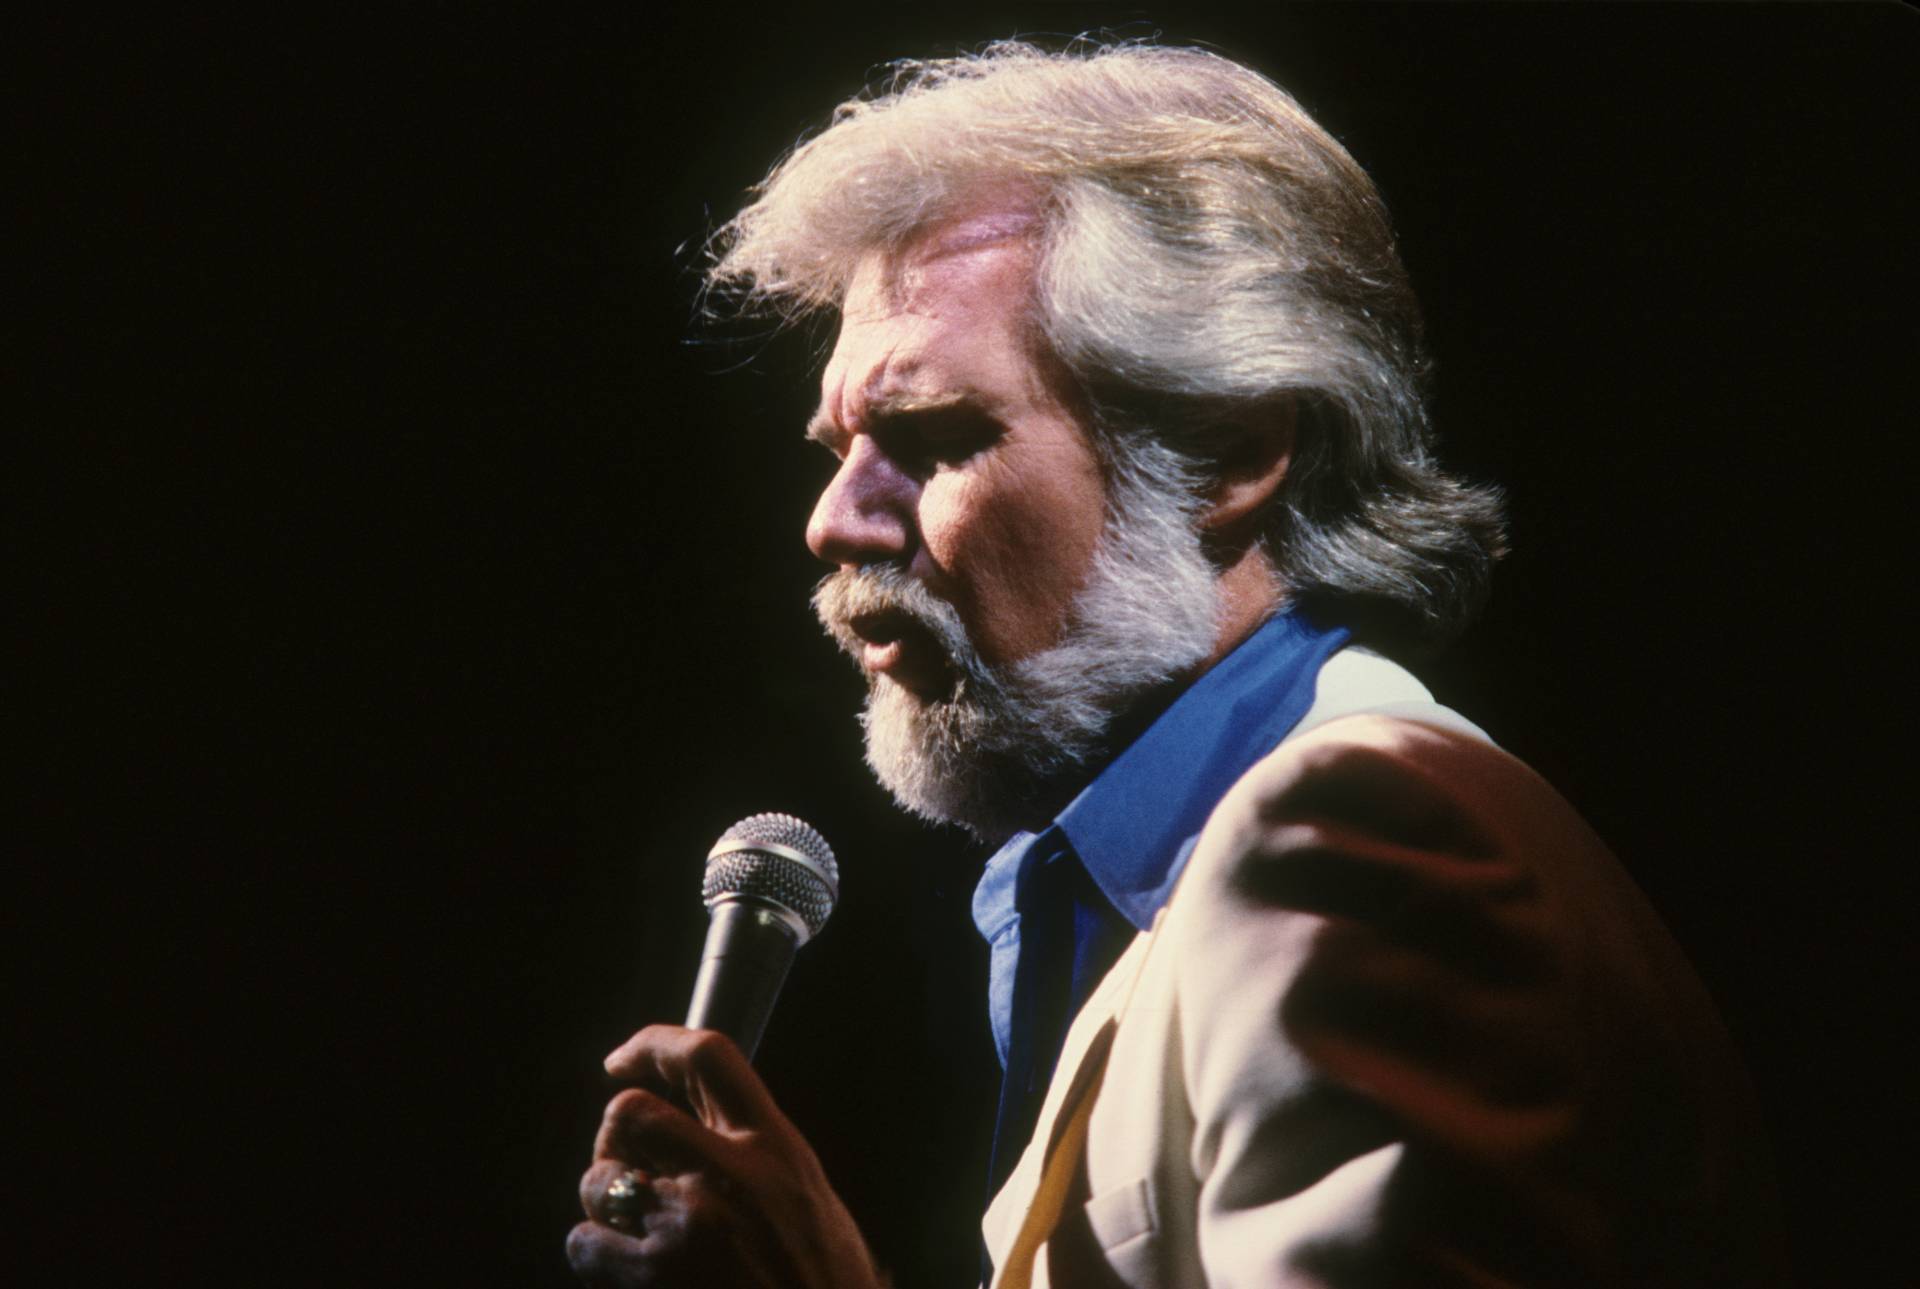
623	1198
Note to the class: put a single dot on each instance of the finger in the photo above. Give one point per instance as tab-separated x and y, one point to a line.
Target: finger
640	1128
690	1239
617	1194
602	1256
704	1070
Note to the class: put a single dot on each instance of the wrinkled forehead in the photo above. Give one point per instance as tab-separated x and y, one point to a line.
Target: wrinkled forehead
981	255
943	317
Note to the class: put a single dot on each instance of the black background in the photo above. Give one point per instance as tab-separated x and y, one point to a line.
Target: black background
425	590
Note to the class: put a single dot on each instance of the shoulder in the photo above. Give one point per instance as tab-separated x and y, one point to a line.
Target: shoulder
1382	803
1357	680
1398	854
1375	755
1422	1016
1410	835
1417	773
1382	847
1404	921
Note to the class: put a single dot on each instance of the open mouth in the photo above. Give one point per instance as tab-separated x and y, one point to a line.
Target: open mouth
894	644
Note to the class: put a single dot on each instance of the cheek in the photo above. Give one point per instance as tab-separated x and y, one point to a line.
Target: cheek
955	530
1009	559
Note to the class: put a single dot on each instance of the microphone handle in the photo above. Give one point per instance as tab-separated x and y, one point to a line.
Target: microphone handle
749	948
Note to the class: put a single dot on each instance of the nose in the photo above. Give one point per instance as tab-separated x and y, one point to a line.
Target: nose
866	513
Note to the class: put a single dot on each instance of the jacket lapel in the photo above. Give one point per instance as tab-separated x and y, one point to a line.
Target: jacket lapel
1081	1051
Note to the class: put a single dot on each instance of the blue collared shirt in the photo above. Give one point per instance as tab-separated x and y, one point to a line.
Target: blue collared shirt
1057	907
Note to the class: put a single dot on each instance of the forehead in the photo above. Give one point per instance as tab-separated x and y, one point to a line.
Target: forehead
943	317
969	269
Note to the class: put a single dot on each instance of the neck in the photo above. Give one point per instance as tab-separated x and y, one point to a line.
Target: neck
1251	591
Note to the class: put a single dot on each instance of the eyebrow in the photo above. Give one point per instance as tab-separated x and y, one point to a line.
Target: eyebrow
825	430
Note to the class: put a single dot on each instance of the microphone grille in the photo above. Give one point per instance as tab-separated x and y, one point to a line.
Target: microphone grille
776	859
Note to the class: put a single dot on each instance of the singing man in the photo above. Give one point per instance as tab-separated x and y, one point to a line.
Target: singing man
1297	979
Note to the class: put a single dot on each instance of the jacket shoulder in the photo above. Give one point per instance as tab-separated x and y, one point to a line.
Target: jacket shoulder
1404	922
1417	781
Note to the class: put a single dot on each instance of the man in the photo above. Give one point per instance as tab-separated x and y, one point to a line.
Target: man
1296	978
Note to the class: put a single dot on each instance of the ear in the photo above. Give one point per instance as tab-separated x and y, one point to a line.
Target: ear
1249	472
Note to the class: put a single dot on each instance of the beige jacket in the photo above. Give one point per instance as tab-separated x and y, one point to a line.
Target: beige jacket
1404	1021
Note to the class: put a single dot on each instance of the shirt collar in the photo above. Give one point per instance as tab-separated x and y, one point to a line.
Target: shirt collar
1133	825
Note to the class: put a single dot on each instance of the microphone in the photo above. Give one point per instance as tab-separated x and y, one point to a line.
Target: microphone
770	883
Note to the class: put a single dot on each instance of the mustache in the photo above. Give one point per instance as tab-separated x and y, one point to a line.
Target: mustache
883	592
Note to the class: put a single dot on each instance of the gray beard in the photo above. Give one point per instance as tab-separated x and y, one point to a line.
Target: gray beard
1010	743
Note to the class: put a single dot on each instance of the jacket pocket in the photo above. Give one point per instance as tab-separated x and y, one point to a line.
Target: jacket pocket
1123	1216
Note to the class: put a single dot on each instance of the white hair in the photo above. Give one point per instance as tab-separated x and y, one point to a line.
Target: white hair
1210	257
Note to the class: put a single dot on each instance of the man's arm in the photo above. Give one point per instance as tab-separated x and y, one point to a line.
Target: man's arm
1432	1035
724	1194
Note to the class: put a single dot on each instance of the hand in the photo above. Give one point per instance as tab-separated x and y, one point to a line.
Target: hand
727	1197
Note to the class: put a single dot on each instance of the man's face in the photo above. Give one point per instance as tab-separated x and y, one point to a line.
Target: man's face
1005	603
964	459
